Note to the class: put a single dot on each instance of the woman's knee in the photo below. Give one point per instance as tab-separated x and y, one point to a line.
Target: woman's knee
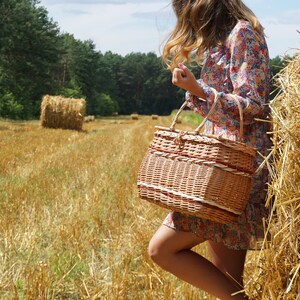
157	251
167	242
162	247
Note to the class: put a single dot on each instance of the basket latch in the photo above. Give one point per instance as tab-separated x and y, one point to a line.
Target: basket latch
179	141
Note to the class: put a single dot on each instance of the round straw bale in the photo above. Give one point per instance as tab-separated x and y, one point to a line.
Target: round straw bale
154	117
134	116
179	121
60	112
86	119
89	119
277	272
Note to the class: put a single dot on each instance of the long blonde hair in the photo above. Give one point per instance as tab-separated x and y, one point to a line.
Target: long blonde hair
202	24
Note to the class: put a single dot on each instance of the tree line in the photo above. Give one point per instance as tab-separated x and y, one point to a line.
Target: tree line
37	59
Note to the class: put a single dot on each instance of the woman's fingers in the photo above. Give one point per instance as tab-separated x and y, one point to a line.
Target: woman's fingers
183	67
178	75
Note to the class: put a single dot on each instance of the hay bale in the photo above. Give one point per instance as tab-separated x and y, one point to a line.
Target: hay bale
134	116
60	112
154	117
179	120
278	267
115	113
88	119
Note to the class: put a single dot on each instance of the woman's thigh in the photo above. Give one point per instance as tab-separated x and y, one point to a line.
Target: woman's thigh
227	260
167	240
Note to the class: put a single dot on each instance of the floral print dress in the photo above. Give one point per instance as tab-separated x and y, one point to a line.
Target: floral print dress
238	69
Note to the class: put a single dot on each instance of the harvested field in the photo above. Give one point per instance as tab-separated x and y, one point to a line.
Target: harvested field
71	224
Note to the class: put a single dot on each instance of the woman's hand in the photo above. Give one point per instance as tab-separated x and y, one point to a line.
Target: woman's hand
185	79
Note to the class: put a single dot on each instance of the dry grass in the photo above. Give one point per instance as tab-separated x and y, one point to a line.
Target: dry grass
71	224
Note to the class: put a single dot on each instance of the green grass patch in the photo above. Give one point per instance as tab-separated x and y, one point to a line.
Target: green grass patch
188	116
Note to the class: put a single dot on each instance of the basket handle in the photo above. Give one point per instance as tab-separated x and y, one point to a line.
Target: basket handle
197	130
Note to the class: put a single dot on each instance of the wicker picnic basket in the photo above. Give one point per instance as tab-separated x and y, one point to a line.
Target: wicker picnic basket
197	174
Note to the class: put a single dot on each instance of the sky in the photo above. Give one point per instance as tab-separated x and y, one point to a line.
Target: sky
125	26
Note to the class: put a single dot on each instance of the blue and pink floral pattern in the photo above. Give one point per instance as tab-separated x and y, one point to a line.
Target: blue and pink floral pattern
240	70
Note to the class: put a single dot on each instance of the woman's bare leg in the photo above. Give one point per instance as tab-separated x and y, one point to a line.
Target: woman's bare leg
171	250
230	262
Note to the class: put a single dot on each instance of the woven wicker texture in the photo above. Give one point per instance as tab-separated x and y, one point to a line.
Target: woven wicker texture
209	148
198	174
202	176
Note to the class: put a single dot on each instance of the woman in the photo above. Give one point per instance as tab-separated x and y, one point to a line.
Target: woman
227	37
